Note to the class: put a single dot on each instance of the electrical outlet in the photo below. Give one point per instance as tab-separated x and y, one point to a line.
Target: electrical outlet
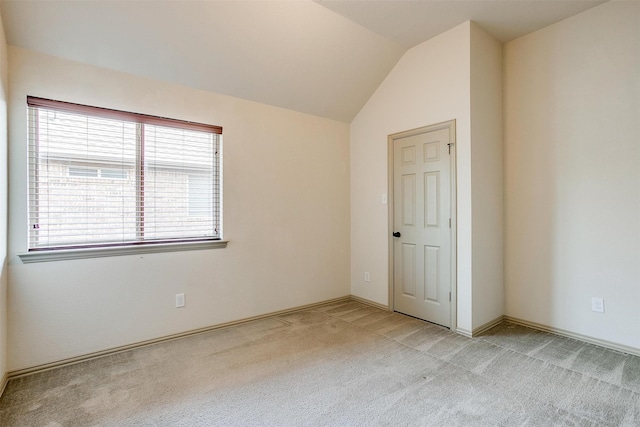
597	305
180	302
367	278
383	199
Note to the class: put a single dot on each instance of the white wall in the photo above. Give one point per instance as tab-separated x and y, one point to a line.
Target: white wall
572	172
487	177
430	84
286	214
457	75
4	89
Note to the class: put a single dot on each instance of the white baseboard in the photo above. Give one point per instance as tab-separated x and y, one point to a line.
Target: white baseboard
550	329
476	331
4	382
95	355
465	332
591	340
371	303
484	328
480	329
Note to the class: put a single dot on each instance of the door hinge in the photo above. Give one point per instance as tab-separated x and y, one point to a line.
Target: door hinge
449	145
449	222
449	296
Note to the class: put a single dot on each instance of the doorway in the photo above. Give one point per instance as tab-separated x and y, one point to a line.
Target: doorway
422	223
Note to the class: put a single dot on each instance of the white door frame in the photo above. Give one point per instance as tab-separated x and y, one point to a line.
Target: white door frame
451	125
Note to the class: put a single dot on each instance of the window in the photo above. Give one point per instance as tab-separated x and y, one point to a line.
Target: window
100	177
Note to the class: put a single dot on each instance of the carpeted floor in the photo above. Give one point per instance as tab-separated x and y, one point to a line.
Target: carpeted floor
338	365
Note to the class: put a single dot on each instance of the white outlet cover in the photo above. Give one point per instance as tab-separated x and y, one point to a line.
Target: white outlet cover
367	278
180	302
383	199
597	305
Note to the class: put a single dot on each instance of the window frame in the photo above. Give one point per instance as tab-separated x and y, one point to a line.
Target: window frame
51	253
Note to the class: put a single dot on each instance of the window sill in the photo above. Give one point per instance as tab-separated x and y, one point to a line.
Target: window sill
70	254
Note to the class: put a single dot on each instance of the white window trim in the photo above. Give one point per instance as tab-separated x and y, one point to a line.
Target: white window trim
100	252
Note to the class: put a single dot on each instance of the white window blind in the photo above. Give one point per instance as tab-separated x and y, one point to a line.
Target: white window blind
100	177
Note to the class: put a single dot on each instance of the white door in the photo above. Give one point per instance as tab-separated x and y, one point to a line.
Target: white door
422	209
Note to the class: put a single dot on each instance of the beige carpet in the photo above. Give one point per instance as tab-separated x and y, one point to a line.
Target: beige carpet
338	365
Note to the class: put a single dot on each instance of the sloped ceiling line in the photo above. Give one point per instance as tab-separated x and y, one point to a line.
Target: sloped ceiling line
324	58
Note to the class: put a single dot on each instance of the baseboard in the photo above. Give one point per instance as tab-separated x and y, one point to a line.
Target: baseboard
476	331
550	329
95	355
4	382
371	303
465	332
484	328
591	340
480	329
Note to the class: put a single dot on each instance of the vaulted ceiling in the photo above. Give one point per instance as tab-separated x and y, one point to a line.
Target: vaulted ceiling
324	58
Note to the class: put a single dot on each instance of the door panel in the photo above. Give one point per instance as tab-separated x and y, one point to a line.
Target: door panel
431	279
409	270
432	199
421	212
408	200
